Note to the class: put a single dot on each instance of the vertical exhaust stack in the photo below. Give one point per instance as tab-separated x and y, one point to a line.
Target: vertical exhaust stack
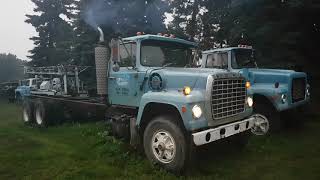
101	60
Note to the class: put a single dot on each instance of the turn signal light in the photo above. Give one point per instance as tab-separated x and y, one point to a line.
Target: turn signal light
186	90
248	85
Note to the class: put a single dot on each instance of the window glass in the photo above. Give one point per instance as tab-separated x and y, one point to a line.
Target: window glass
127	54
161	53
243	58
217	60
25	83
34	82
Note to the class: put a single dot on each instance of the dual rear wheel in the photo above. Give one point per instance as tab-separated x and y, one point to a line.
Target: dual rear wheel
37	112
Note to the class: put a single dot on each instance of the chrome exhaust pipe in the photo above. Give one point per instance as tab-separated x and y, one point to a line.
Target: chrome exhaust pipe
101	39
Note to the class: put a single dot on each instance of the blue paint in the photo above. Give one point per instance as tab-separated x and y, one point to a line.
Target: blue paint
263	80
174	80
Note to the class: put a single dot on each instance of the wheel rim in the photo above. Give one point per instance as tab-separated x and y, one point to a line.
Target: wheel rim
38	117
25	115
261	126
163	146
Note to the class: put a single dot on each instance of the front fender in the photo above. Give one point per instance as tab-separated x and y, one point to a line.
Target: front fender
178	100
272	94
23	91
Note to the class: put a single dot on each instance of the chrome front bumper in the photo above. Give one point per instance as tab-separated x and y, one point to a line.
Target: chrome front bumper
224	131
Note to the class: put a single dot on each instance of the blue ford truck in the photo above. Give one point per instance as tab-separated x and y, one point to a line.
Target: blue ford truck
274	90
153	97
25	87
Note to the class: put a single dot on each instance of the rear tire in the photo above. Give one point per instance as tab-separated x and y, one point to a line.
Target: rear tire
41	114
165	144
27	112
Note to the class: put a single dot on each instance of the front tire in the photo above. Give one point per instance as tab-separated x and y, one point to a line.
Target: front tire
18	98
165	144
272	115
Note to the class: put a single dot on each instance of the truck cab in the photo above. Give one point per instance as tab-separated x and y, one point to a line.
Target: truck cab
25	88
274	90
151	78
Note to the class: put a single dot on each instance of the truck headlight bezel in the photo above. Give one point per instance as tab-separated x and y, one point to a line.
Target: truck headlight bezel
196	111
308	91
249	101
283	98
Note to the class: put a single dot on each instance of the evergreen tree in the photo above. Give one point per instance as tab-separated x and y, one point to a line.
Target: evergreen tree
199	20
85	36
54	42
116	18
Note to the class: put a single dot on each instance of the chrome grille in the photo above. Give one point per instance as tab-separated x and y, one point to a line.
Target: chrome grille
228	97
298	89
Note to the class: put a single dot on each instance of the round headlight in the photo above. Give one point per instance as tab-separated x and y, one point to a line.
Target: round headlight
196	111
250	101
284	98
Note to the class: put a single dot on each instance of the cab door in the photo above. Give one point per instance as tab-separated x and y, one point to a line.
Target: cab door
123	84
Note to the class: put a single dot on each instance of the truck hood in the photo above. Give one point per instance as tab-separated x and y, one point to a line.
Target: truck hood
196	78
271	75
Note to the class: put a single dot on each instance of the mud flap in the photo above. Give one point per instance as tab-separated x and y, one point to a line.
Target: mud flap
134	136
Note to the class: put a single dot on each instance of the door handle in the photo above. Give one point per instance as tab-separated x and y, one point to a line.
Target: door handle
112	78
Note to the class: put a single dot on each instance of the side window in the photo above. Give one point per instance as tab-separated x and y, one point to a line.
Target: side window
34	82
127	54
152	56
217	60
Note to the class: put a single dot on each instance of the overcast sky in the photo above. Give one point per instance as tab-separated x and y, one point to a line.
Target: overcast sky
14	32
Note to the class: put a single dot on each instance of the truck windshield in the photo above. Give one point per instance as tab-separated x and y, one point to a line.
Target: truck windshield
217	60
25	83
161	53
243	58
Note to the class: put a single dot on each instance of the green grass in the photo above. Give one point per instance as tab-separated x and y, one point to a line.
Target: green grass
85	151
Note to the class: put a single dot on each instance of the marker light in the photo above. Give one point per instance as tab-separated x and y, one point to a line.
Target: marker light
184	109
248	85
186	90
196	111
250	101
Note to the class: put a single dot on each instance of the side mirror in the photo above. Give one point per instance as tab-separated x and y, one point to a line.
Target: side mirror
114	44
115	67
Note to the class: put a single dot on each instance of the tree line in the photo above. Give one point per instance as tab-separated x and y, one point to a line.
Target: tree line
11	68
283	32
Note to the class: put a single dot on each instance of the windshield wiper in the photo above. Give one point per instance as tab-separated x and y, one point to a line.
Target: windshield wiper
218	67
168	64
247	62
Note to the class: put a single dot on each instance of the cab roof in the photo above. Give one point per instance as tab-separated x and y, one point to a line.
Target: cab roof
223	49
160	38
